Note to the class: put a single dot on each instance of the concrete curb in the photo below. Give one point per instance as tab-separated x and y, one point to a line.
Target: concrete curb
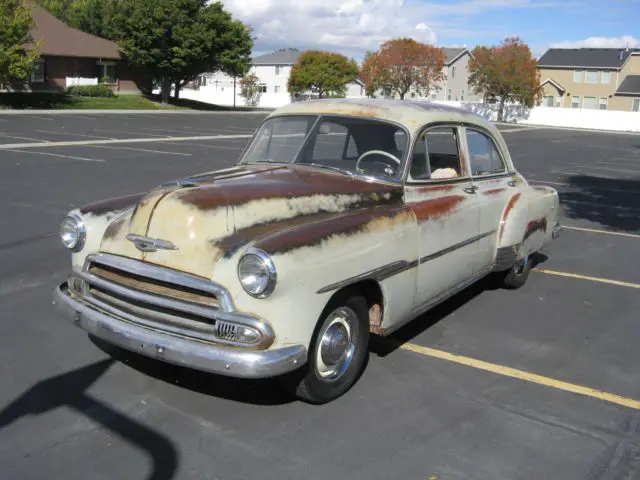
134	112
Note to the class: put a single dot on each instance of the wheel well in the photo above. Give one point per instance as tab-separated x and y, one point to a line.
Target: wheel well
371	291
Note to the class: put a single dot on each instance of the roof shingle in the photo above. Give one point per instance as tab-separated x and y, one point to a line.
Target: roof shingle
284	56
629	86
59	39
451	53
612	58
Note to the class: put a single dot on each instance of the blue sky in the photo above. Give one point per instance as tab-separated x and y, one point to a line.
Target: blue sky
354	26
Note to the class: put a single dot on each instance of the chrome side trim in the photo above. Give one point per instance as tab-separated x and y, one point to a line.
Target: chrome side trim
455	247
164	274
177	350
395	268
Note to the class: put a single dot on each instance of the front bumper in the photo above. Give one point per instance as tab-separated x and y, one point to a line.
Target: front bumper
229	361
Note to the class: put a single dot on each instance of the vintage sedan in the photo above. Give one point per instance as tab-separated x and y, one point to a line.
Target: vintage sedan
342	218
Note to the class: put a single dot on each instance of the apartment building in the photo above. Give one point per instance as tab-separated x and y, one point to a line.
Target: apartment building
591	78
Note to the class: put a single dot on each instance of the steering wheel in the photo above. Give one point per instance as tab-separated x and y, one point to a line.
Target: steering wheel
381	152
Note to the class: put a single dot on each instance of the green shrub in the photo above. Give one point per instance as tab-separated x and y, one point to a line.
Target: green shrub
99	90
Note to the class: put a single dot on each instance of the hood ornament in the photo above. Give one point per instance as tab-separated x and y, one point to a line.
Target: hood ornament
146	244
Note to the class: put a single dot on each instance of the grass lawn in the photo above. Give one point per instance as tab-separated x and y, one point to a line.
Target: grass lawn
62	101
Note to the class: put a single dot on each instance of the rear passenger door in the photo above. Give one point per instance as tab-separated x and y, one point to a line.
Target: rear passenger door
492	181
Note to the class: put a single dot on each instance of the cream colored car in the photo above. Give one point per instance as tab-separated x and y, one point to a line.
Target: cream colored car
341	218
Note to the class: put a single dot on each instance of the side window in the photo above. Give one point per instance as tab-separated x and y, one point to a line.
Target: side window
484	156
436	155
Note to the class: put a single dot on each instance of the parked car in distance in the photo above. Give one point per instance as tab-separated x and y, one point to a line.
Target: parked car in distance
341	218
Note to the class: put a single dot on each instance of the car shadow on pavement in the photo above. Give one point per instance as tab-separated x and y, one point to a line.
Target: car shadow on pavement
258	392
383	346
613	203
69	390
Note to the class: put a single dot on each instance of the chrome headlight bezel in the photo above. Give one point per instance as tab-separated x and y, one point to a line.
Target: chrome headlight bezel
266	263
75	221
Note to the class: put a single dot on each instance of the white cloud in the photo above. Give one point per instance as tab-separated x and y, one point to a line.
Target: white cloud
600	42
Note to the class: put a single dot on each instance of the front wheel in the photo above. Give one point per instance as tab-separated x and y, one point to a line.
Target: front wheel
518	274
338	350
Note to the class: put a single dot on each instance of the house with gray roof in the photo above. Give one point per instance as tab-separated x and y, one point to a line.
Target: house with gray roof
591	78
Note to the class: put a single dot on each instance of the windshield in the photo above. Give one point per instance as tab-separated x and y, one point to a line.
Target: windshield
353	146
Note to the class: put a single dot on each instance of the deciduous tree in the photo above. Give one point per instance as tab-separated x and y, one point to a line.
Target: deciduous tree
250	90
402	65
322	73
507	72
16	61
176	40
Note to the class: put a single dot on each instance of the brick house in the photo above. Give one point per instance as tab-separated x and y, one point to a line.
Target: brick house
71	57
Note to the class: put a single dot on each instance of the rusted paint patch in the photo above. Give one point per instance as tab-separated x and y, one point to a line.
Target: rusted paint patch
534	226
115	228
114	204
313	234
242	237
494	191
437	207
435	188
512	202
285	183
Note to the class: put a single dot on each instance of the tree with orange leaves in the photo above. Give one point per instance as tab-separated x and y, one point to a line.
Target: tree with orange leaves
507	72
402	65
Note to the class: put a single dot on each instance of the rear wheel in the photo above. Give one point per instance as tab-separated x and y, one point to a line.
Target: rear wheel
338	350
518	274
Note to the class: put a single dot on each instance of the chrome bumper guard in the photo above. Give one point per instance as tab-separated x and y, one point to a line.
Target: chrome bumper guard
557	228
171	316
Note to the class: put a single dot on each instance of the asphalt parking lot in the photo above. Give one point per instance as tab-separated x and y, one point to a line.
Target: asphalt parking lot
542	382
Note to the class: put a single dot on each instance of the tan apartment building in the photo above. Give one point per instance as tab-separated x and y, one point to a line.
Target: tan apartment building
591	78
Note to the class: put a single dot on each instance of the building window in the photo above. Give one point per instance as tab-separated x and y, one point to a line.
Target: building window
263	88
277	69
449	95
434	96
605	77
575	102
37	76
277	89
591	77
577	76
636	105
107	72
603	103
590	103
462	95
453	72
547	101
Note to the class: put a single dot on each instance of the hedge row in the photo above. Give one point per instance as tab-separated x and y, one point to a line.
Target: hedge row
99	90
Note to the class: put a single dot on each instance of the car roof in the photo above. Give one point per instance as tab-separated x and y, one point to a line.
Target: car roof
411	114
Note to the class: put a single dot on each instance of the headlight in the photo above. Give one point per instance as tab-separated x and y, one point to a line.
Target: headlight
257	273
73	233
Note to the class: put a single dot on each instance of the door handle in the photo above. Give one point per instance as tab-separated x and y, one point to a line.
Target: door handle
471	189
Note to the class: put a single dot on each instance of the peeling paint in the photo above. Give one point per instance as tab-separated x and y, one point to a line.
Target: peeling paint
435	188
507	211
494	191
534	226
436	207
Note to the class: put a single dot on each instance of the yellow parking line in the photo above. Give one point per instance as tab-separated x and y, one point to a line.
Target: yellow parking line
522	375
607	232
585	277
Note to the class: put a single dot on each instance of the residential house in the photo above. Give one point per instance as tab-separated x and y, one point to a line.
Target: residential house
591	78
273	71
71	57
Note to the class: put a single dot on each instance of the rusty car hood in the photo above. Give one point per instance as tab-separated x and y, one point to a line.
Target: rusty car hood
212	216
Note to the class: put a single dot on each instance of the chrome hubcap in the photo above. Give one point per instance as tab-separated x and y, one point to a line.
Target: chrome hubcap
336	346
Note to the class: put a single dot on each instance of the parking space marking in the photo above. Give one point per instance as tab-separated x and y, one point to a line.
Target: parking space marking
224	147
621	170
127	133
22	138
523	375
522	129
57	155
142	150
588	278
42	118
606	232
73	134
73	143
604	189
